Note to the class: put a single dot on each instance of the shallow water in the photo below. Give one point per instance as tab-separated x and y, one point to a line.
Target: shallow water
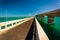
4	19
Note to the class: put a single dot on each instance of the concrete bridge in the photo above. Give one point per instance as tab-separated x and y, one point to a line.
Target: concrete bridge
50	22
27	29
34	28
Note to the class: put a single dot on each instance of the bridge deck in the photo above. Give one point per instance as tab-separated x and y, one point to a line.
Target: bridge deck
27	30
17	33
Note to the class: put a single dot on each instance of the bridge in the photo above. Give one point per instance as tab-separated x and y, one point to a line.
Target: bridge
40	27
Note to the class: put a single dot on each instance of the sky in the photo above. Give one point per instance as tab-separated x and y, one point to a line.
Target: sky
14	8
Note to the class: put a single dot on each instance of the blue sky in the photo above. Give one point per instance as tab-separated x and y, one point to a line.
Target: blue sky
27	7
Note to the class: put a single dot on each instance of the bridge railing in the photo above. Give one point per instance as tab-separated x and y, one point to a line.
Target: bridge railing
40	32
8	24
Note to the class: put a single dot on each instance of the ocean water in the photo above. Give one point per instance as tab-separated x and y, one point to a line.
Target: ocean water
4	19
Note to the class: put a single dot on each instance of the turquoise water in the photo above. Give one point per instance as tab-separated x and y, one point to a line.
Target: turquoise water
57	23
46	19
52	30
4	19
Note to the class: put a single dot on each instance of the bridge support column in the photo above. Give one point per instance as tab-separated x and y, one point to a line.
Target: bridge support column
50	19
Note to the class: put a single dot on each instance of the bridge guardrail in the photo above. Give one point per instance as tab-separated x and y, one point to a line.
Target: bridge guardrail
4	25
41	34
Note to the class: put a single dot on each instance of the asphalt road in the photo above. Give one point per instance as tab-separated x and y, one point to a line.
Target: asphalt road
19	32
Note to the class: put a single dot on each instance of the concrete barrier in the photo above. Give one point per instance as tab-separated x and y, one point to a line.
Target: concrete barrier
9	24
41	34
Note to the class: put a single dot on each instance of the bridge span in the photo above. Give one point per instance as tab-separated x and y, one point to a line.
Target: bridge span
27	29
